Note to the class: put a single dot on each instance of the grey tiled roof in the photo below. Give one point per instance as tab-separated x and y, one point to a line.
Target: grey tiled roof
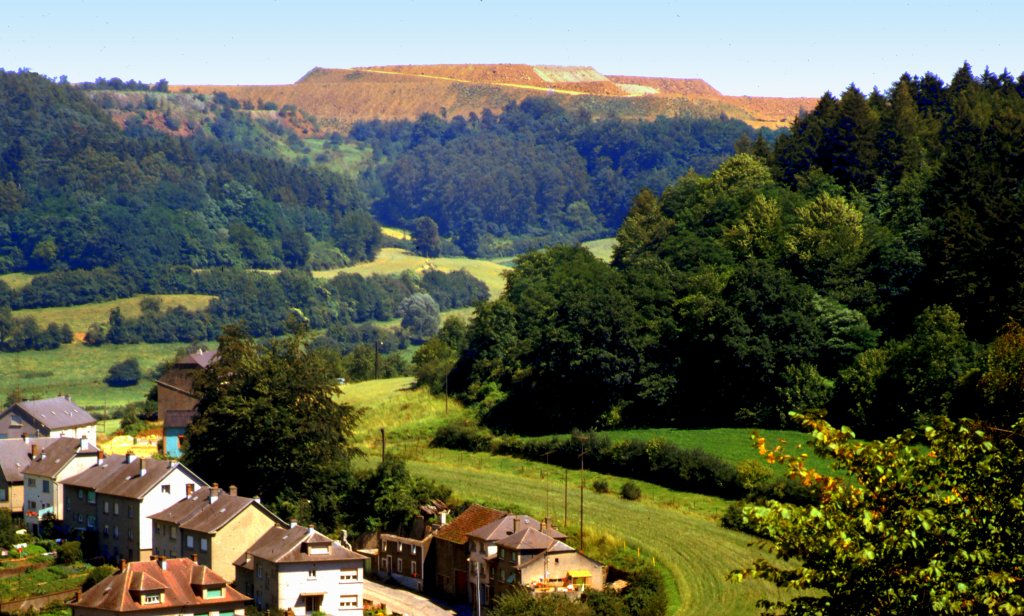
55	413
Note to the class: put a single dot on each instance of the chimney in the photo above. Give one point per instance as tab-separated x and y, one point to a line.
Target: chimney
195	557
515	523
162	562
124	564
130	457
142	467
214	492
35	451
293	523
233	490
310	529
24	437
100	457
256	498
444	516
83	444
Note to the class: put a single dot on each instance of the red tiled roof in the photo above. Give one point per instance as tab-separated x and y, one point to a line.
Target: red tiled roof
466	522
121	591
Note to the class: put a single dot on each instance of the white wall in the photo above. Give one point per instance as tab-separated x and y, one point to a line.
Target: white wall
293	579
157	500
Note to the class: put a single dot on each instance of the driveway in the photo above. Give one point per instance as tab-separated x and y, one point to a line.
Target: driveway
401	601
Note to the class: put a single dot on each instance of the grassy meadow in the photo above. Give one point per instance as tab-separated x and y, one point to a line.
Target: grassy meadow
679	531
82	316
602	249
16	280
78	371
396	260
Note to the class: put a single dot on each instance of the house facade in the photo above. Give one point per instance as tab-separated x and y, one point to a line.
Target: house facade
175	400
50	417
213	525
113	500
15	456
162	587
44	487
447	569
301	570
403	559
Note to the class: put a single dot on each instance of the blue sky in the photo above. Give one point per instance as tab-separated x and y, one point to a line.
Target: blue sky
782	48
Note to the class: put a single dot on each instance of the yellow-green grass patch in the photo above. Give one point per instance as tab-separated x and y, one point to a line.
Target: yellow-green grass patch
602	249
17	280
78	371
393	261
409	416
679	531
79	318
395	232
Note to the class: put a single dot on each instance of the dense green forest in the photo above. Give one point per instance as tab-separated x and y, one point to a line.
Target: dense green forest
866	264
77	191
533	175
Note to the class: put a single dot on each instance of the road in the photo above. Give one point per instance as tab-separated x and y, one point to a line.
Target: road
401	601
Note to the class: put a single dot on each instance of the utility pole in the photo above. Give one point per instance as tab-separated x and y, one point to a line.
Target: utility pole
565	501
383	444
583	452
376	359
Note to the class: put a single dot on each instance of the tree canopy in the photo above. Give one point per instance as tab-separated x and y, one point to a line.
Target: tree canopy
270	417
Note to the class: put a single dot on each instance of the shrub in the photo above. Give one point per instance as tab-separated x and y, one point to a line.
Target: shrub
600	486
97	575
464	437
630	491
69	552
124	374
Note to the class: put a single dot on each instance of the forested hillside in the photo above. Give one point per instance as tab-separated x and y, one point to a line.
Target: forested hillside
867	264
79	192
533	174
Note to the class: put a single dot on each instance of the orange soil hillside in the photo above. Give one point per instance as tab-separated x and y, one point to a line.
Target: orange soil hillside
340	97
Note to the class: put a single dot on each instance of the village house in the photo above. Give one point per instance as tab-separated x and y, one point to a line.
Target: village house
51	465
50	417
161	587
403	559
301	570
15	457
447	569
213	525
517	551
175	400
114	499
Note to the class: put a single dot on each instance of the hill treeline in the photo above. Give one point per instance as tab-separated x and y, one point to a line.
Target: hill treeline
534	174
78	191
867	264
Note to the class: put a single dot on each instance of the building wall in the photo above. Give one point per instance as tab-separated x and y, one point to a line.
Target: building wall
235	537
559	565
86	432
15	496
172	441
403	559
16	423
48	494
170	398
294	579
78	509
449	574
167	540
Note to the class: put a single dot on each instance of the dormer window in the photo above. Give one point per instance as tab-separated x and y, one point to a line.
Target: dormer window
151	598
213	593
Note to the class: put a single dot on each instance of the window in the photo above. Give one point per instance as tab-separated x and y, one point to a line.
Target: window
150	599
349	600
166	488
259	572
117	532
412	568
204	544
117	509
399	546
399	567
3	493
79	517
311	574
348	575
174	532
131	511
46	486
32	505
91	521
31	482
190	541
81	493
92	497
412	549
106	506
131	533
213	593
106	530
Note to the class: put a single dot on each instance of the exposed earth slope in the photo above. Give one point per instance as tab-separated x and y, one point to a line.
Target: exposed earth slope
340	97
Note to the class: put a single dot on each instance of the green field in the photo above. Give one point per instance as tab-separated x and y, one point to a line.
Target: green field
81	317
78	371
395	261
602	249
679	531
16	280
